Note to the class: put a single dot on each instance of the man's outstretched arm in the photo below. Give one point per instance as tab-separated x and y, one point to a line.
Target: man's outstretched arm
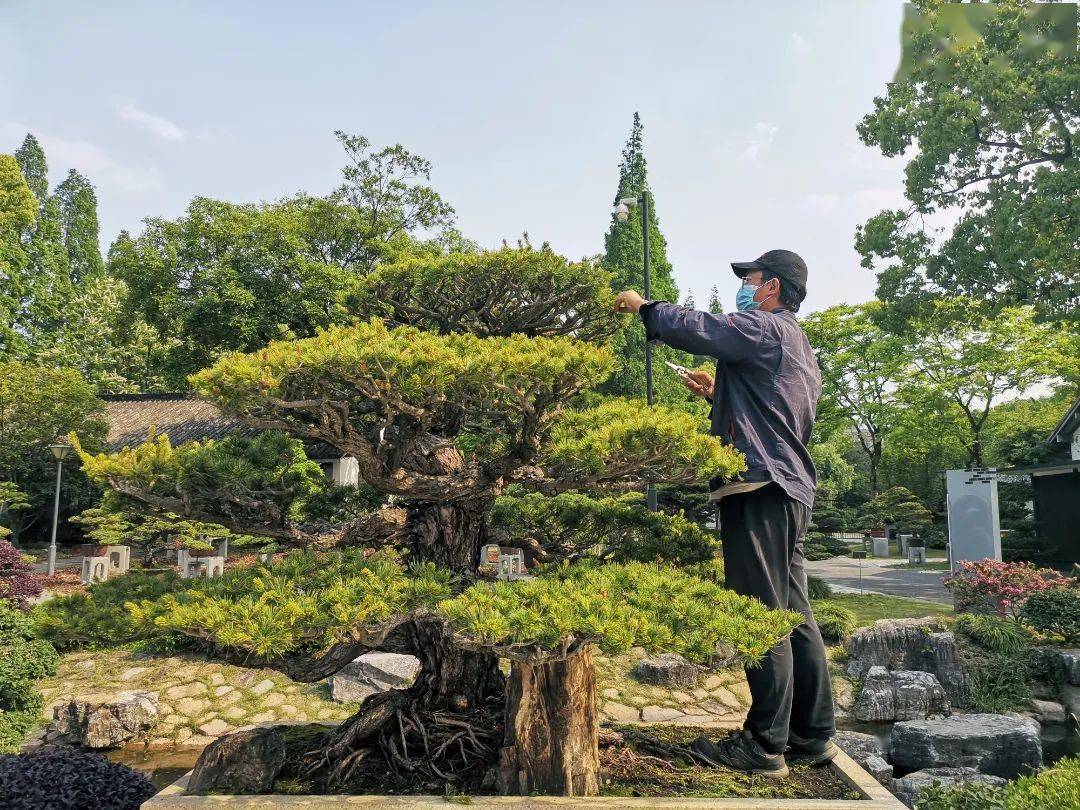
728	338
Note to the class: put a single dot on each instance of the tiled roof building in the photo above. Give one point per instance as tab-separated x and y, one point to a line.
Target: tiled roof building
186	418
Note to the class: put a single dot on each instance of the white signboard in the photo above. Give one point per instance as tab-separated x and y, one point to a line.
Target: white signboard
974	528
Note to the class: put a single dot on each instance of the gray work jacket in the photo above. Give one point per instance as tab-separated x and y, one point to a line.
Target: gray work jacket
767	386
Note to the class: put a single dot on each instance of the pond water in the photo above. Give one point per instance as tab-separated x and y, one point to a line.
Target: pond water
160	767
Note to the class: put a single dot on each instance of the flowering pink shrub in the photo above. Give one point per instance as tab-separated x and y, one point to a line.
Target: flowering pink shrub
1000	586
18	582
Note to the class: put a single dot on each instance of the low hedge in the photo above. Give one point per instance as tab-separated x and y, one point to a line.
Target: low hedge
1056	787
23	660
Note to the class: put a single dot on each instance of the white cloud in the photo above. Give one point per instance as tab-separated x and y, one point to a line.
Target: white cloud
764	132
129	111
822	203
86	157
798	45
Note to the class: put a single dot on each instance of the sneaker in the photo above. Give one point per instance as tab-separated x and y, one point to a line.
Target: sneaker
741	752
815	754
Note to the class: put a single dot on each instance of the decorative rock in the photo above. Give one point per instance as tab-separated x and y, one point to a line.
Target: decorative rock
1070	664
224	690
198	741
611	693
911	644
701	694
620	713
712	682
667	669
1048	712
997	744
230	698
741	690
273	700
907	788
867	750
185	690
659	714
246	762
216	679
696	719
902	695
234	712
128	674
682	697
106	723
262	717
262	687
371	673
215	728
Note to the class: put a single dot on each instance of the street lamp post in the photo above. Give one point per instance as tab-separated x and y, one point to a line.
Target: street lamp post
60	452
622	213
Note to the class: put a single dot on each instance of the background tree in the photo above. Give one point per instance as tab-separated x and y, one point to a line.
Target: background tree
18	210
623	252
31	159
995	121
446	418
227	277
899	507
39	405
79	226
861	369
971	361
715	306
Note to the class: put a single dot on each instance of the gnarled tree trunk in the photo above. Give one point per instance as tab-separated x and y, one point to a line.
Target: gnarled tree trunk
449	534
445	726
550	743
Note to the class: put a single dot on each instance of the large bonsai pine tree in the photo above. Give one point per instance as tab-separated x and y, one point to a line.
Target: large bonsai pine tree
463	376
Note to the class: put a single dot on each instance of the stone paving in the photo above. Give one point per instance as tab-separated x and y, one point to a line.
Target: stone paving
199	699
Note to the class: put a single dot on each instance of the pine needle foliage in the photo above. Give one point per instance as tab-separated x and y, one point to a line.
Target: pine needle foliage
617	607
616	529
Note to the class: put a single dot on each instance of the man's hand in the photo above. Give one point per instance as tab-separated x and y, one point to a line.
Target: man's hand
628	301
700	383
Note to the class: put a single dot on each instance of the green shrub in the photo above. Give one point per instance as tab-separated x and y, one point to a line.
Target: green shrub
1055	612
966	796
23	659
994	633
836	622
100	618
820	546
817	588
1055	787
998	656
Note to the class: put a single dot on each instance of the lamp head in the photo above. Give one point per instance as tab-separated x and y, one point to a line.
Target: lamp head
60	450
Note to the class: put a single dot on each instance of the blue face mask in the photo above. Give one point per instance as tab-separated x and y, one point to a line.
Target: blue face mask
744	299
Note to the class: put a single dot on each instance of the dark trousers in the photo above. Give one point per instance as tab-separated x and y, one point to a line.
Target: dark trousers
762	534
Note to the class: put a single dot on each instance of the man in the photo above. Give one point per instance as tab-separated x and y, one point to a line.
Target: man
764	401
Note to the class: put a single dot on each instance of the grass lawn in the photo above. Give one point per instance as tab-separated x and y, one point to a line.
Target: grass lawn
868	608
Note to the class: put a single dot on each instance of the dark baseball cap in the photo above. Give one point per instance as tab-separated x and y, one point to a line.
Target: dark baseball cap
784	264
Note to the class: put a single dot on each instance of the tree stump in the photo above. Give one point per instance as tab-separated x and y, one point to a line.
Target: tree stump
551	742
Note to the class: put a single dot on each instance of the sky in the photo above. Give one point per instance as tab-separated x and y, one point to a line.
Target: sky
749	111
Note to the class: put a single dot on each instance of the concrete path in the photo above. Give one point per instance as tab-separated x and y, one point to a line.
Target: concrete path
878	576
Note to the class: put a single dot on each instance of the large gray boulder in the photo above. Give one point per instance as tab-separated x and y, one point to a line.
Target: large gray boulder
242	763
106	721
868	751
911	644
667	669
997	744
901	695
373	672
907	788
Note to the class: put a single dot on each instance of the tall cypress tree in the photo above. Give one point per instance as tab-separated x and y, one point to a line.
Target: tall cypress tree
715	307
623	250
79	224
31	160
